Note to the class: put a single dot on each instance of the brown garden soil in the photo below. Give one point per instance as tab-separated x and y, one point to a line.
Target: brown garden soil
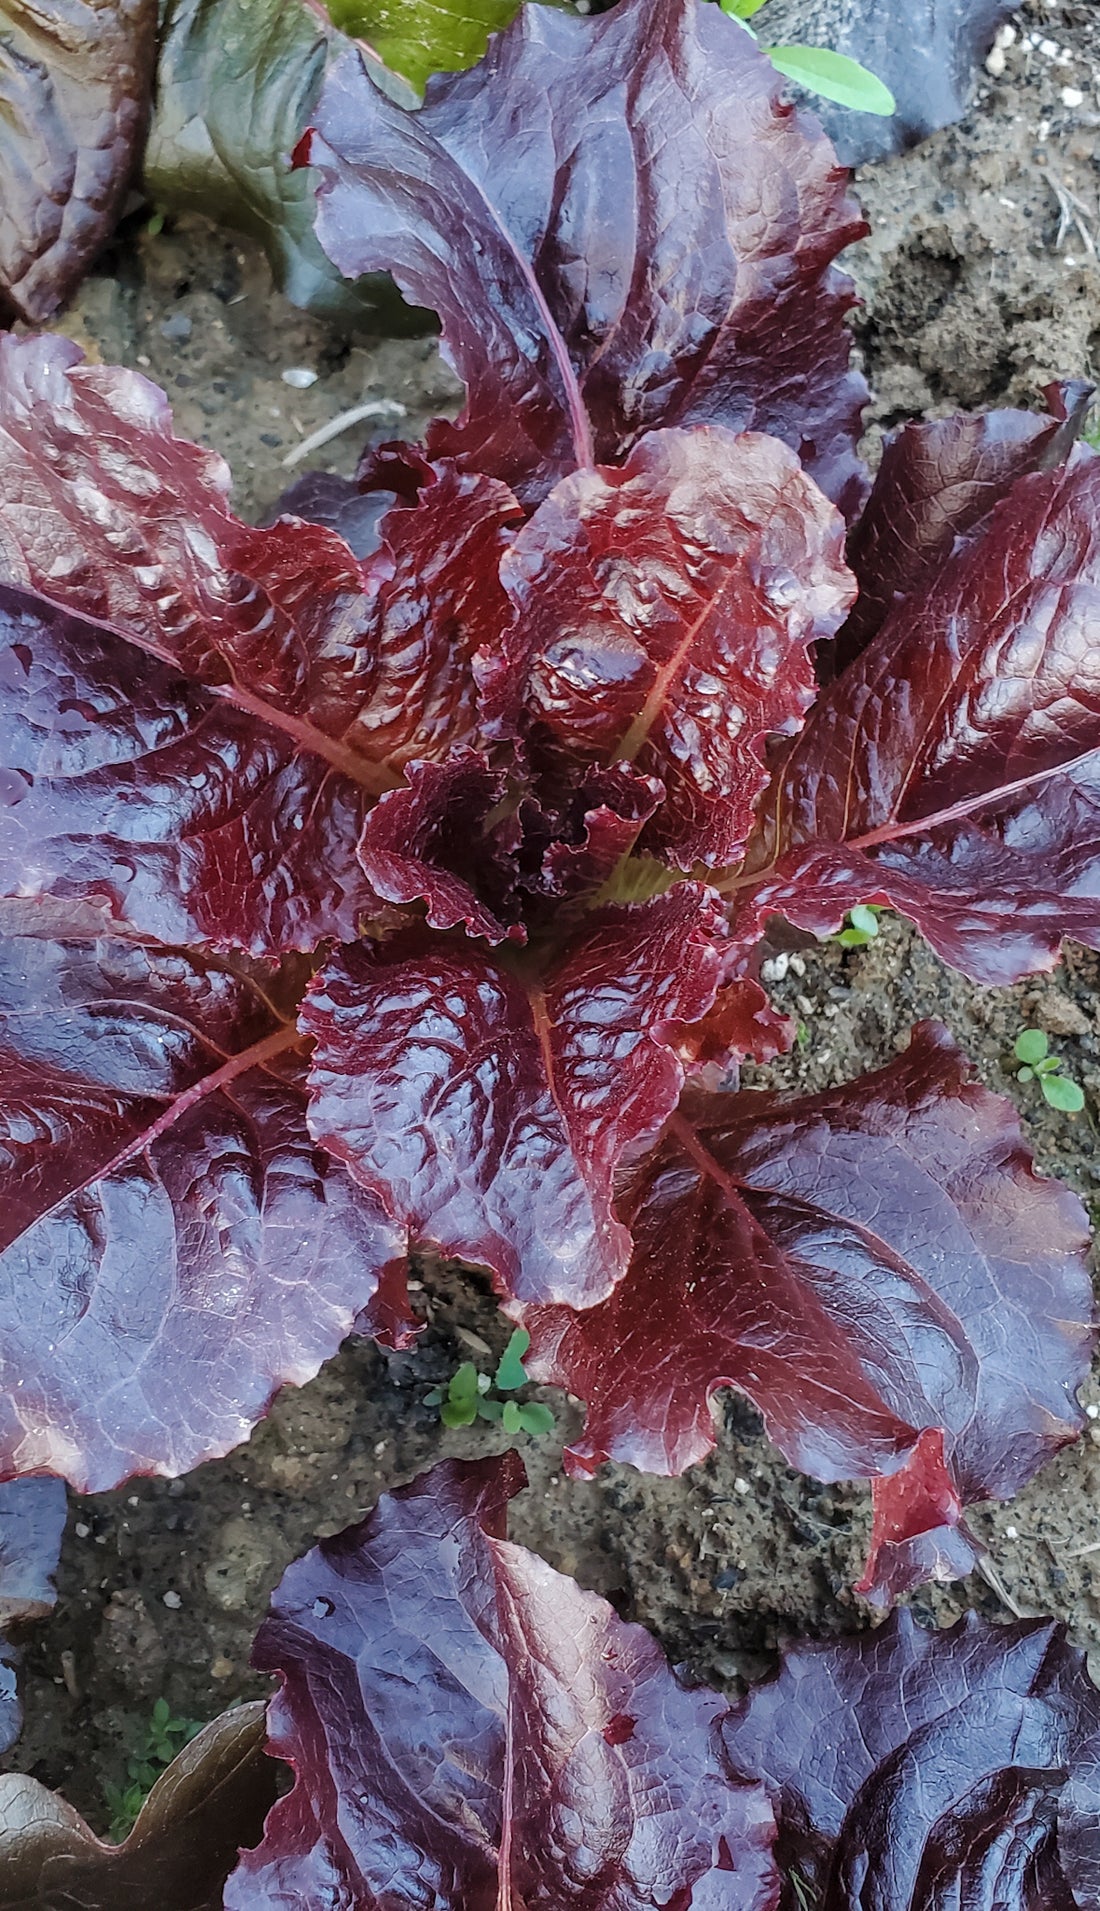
980	283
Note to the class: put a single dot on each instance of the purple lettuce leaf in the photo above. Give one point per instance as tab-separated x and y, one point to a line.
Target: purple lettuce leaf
953	770
469	1729
681	651
929	1768
75	79
488	1105
876	1267
174	1248
620	227
32	1524
936	487
178	815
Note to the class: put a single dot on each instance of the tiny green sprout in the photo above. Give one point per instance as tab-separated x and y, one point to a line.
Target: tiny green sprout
833	76
466	1396
155	225
1032	1049
164	1736
862	926
511	1372
802	1035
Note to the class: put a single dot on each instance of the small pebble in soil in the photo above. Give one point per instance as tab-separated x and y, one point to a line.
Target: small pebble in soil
172	1600
81	1530
299	376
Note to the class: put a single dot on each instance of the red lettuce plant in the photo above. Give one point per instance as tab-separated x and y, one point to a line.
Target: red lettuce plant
468	1729
362	902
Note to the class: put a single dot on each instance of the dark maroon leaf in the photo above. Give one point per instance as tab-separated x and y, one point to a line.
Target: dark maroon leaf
488	1106
122	783
684	646
865	1264
416	841
953	770
927	52
620	229
211	1799
106	513
440	601
202	761
911	1768
174	1246
75	80
742	1022
469	1729
936	486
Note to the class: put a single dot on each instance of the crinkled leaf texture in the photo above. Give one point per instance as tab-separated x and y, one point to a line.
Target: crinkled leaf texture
620	228
32	1523
75	79
211	1799
488	1106
953	770
911	1768
468	1729
201	749
697	576
937	484
236	80
877	1268
174	1247
926	51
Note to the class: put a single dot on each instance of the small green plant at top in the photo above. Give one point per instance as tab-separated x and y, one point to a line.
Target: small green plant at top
164	1737
831	75
861	926
1031	1048
1091	433
466	1397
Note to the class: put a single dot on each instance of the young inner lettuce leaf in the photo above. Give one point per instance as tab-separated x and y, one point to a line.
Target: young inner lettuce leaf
417	38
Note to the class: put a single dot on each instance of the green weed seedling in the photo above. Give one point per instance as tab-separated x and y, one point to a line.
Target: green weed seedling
1031	1048
164	1737
833	76
468	1394
861	926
